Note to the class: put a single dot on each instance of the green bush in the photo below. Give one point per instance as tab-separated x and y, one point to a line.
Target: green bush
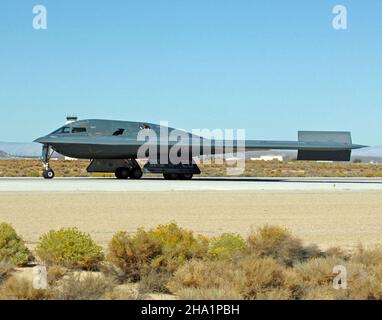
278	243
12	247
225	246
162	249
178	246
69	247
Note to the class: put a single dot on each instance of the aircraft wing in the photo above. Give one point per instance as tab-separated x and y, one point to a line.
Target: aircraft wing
311	145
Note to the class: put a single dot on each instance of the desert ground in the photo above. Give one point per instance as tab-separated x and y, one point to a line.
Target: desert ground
326	218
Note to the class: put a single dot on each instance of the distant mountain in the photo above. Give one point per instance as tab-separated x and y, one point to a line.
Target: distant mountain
3	154
368	152
21	149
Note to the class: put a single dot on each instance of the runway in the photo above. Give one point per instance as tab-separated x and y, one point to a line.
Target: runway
326	211
197	184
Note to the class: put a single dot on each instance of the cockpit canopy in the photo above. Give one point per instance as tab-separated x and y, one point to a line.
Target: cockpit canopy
68	129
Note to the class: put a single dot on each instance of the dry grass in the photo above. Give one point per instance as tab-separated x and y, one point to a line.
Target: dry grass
62	168
154	282
55	273
297	169
22	289
86	286
279	244
5	270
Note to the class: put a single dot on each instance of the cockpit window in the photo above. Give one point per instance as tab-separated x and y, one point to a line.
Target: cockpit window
62	130
144	126
119	132
78	130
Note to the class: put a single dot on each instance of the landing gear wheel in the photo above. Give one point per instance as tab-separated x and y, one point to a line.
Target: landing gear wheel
136	173
122	173
48	174
171	176
186	176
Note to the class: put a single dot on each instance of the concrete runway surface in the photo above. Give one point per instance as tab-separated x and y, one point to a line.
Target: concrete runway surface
197	184
324	211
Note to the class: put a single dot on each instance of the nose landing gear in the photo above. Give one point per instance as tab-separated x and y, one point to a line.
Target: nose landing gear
47	173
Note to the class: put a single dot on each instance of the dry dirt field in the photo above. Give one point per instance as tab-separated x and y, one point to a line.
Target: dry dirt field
325	218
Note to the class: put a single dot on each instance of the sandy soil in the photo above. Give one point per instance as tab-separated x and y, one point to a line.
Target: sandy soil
325	218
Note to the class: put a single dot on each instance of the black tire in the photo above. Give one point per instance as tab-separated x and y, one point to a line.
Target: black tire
122	173
48	174
186	176
171	176
136	173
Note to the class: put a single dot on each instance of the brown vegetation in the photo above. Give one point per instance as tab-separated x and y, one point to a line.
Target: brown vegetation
62	168
270	264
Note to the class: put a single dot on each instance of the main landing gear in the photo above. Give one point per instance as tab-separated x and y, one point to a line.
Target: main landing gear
177	176
47	173
133	171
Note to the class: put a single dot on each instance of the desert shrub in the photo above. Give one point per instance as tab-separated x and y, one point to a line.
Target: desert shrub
274	294
204	274
12	247
21	289
178	245
69	247
154	282
79	286
364	282
368	257
162	249
278	243
133	254
5	270
208	294
315	278
249	278
323	292
124	292
55	273
262	276
318	271
225	246
337	252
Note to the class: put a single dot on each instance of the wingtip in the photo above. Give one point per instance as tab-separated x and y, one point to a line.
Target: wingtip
359	146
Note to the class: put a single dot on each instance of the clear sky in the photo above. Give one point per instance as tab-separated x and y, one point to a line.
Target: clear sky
271	67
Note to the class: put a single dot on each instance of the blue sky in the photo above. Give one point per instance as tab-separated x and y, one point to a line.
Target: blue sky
271	67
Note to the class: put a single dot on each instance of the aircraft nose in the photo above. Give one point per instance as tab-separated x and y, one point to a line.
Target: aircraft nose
41	140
